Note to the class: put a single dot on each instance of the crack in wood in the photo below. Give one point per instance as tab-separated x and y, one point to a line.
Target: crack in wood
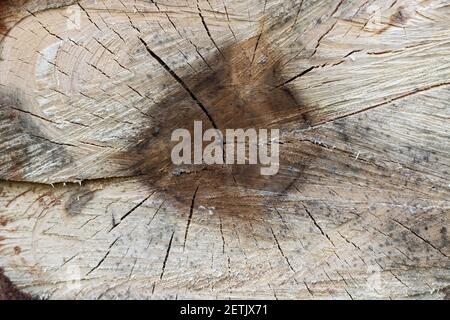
191	212
180	81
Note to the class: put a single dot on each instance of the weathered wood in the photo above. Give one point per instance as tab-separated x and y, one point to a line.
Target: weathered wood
91	206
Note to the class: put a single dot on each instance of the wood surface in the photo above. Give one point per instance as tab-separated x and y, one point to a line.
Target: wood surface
91	206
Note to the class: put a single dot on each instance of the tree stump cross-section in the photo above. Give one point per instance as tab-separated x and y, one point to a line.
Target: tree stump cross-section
92	207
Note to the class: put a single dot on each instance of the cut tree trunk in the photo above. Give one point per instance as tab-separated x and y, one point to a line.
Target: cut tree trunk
92	207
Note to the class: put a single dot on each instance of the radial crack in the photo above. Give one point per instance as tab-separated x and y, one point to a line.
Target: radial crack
191	211
167	256
181	82
281	251
104	257
132	210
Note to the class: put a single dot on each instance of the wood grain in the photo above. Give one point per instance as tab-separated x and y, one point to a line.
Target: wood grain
92	207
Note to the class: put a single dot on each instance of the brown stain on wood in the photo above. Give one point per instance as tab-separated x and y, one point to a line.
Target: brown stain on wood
4	8
8	8
3	221
78	200
3	28
242	92
17	250
9	291
398	19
